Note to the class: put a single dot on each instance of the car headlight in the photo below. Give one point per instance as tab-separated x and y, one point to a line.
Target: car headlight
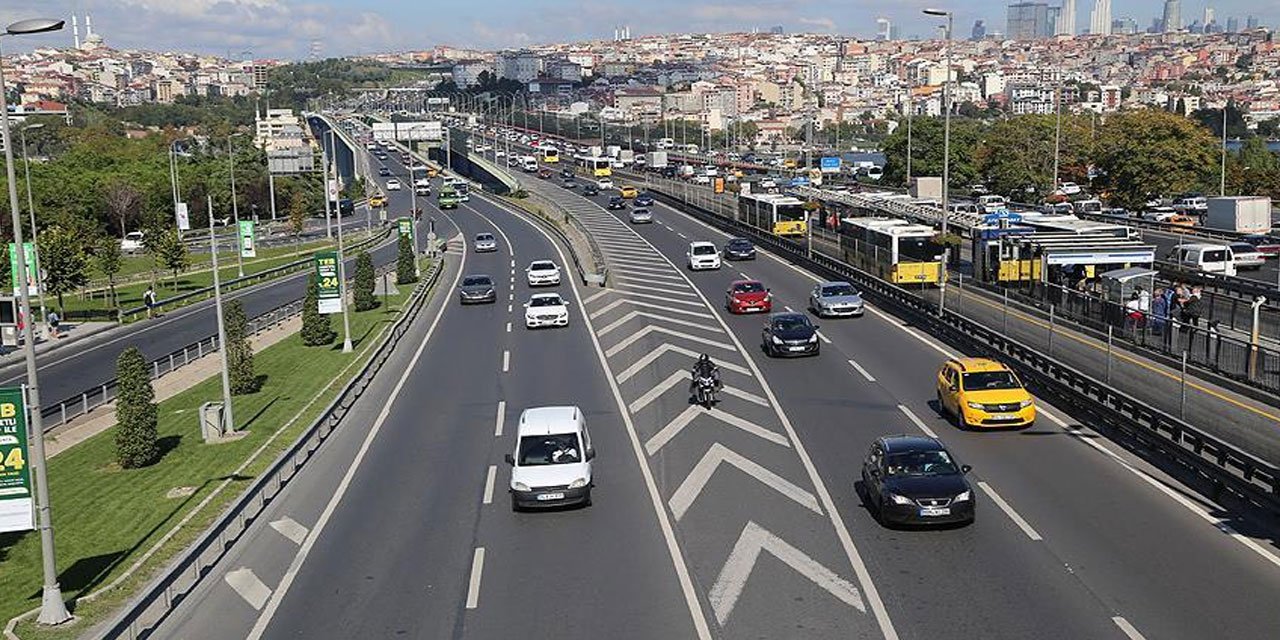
964	496
520	486
974	405
1025	403
776	339
813	338
578	484
897	499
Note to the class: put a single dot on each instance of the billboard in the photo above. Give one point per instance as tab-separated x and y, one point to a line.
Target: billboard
291	161
830	164
327	283
408	131
17	509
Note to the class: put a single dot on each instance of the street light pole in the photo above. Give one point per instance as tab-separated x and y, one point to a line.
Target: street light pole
946	126
228	420
235	208
1222	176
35	233
1057	130
52	608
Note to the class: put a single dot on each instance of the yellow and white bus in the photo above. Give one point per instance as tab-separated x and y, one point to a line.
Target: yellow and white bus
597	166
895	250
549	154
778	214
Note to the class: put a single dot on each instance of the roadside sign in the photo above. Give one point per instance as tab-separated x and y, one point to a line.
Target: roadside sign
182	217
334	190
719	185
830	164
29	252
406	226
247	248
330	291
17	508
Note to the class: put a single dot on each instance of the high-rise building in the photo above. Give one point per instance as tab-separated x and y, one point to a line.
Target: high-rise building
1208	17
1100	18
1027	21
1233	25
1125	25
979	30
776	30
1066	25
884	29
1172	15
1251	23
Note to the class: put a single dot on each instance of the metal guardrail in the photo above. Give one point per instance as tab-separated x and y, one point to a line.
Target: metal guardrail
145	612
1223	465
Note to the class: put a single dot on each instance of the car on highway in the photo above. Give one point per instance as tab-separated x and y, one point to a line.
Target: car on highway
384	171
544	174
1205	256
747	296
616	202
702	255
604	184
590	189
910	479
980	392
377	201
1247	256
835	299
702	179
546	310
405	157
567	173
1069	189
477	288
640	216
628	191
979	190
422	187
790	334
569	183
485	243
132	242
542	273
1266	245
551	464
739	249
393	185
644	200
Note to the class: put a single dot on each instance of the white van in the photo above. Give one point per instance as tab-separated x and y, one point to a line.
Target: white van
528	164
1206	257
551	464
132	242
665	143
991	204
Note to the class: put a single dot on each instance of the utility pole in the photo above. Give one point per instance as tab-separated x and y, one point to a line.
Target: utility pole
235	209
228	420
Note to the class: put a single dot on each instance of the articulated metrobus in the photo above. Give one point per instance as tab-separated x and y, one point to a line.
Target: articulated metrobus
598	166
895	250
549	154
778	214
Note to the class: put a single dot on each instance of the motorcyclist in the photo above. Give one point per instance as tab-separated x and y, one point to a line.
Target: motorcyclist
704	367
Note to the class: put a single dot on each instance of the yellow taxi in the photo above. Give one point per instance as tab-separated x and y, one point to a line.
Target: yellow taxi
377	201
432	172
628	191
979	392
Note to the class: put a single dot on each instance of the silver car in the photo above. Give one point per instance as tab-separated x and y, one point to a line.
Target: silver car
1247	256
477	288
485	243
835	299
641	216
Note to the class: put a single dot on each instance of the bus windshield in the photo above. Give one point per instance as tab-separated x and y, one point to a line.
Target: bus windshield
918	249
790	212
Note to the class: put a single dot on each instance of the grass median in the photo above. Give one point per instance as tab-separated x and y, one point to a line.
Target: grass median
106	517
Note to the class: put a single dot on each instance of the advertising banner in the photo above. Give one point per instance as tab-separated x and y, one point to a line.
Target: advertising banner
330	290
29	252
17	507
405	226
182	216
247	247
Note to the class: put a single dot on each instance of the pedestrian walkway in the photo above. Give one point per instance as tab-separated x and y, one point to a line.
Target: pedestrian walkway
69	334
88	425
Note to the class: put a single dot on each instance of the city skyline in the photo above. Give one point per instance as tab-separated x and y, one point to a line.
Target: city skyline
286	29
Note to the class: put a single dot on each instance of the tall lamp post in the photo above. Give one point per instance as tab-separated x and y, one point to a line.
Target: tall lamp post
1222	175
342	275
235	208
52	609
31	209
946	123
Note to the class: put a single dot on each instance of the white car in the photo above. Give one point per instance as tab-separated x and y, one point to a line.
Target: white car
702	255
393	185
604	184
542	273
449	181
1069	188
551	464
546	310
132	241
702	179
641	216
485	243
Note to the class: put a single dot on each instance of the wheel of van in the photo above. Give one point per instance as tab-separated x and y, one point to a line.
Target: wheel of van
586	502
515	506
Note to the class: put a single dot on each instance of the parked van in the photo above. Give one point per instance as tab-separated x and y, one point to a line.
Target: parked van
551	464
1206	257
132	241
991	204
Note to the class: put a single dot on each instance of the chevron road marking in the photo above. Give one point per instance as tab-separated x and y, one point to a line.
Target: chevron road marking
653	316
665	348
248	586
745	395
633	253
673	428
648	277
596	295
632	287
737	569
650	305
683	376
697	479
648	329
289	528
692	303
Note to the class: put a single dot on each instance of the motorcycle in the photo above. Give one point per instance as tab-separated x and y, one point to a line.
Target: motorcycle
705	390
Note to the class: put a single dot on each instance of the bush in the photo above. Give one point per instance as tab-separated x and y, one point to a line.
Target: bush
364	299
239	352
136	414
405	272
315	326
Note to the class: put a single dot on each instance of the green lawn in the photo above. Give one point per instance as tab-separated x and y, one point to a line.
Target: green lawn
139	263
105	517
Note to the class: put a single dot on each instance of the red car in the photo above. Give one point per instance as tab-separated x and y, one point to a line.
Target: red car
748	296
1268	247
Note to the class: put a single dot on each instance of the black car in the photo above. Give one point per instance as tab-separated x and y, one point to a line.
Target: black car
567	174
477	288
569	183
590	190
668	172
384	171
915	480
616	202
739	249
790	334
644	200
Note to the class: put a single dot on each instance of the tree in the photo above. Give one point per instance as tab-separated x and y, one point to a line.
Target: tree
297	213
316	330
1018	152
136	415
108	259
63	260
239	352
363	297
405	273
169	251
1255	170
122	200
1150	151
927	146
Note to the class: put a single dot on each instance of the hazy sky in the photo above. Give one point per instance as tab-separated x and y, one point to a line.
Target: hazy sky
285	28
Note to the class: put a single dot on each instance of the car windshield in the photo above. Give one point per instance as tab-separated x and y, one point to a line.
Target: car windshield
838	290
561	448
542	266
640	212
546	301
738	243
748	287
920	463
990	380
476	281
1243	247
484	237
790	323
703	250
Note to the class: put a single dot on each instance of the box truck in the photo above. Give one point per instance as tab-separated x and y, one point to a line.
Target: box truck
1243	214
656	160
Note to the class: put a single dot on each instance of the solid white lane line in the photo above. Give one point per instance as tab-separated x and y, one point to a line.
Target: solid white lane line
291	574
473	587
501	419
506	360
861	370
1008	510
289	528
488	483
1129	630
248	586
915	420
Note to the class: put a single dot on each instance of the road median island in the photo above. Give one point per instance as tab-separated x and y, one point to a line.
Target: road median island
116	528
580	244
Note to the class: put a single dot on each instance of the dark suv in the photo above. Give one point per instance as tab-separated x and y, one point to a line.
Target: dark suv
616	202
